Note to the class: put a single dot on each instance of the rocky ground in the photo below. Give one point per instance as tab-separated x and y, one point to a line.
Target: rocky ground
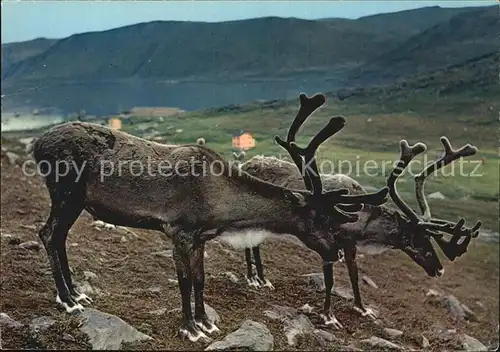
130	275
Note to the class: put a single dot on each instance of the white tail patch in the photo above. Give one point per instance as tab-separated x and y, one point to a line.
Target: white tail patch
371	248
245	239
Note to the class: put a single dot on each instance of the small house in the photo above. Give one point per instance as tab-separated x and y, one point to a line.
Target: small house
243	140
115	123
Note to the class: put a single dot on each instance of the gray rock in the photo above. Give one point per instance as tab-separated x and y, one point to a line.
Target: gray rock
231	276
108	332
89	276
342	292
316	282
378	343
425	342
68	338
324	336
392	333
369	281
299	325
481	305
87	288
126	231
8	322
160	311
457	309
436	195
154	289
12	157
41	323
30	245
166	253
251	335
306	309
277	312
443	333
471	344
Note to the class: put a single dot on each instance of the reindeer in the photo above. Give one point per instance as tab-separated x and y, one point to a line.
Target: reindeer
379	227
183	201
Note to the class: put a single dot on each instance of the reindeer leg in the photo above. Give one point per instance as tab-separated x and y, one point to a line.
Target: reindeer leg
260	270
52	234
63	258
182	255
197	268
327	316
352	268
251	280
73	211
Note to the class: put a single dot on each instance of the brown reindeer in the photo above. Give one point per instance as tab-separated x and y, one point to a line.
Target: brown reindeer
379	227
188	193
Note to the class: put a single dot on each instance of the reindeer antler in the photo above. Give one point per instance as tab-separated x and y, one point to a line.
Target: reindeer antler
408	153
305	160
435	227
307	107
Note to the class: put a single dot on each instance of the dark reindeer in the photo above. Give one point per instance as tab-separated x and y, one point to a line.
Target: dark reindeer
183	200
379	227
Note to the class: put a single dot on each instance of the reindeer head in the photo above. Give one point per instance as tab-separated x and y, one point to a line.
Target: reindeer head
412	233
321	213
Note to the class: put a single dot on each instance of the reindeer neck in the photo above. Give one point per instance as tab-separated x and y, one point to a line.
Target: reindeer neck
245	201
374	223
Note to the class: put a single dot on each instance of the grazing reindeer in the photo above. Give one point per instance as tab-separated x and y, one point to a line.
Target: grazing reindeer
182	200
379	227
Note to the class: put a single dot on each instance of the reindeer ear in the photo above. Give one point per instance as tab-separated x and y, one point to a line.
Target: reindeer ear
296	198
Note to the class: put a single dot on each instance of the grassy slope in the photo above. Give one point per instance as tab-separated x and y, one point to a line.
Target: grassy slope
461	37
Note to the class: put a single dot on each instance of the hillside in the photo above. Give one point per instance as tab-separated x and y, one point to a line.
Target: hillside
174	50
227	50
195	65
462	37
19	51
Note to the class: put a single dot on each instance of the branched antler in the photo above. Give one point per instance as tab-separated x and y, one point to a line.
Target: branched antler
433	227
305	159
307	107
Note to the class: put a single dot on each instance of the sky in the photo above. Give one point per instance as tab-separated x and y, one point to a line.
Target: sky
24	20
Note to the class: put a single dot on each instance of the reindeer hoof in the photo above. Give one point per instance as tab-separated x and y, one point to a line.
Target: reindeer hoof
72	308
207	326
367	312
83	297
193	334
268	284
330	320
253	282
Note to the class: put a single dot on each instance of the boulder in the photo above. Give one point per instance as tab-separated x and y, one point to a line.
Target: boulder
107	331
252	336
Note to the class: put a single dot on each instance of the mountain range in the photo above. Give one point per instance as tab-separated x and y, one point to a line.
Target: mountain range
326	53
